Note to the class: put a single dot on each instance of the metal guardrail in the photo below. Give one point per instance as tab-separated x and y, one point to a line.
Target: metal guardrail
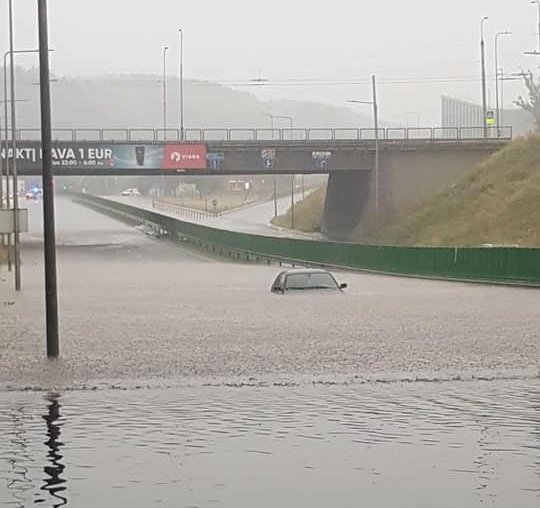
501	265
183	211
269	135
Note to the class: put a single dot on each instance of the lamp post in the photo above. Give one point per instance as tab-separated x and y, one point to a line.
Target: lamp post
181	32
497	105
4	160
274	175
12	100
165	49
16	228
375	105
483	58
291	126
537	2
49	229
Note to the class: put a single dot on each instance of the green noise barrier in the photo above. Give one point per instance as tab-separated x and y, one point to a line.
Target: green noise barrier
485	264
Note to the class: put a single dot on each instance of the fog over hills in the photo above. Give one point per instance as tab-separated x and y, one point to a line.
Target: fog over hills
130	100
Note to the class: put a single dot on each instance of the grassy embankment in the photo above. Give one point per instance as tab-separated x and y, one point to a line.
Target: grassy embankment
307	213
498	203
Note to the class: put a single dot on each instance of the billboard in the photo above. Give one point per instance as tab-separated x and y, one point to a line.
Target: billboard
89	155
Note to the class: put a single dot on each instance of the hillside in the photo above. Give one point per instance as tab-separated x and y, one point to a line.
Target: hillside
307	213
135	100
498	203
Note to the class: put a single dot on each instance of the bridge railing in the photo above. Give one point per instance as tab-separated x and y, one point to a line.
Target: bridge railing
296	134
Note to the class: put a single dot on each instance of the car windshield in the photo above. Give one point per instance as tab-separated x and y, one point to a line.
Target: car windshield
310	281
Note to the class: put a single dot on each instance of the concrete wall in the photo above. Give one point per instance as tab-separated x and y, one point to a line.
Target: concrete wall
406	179
346	200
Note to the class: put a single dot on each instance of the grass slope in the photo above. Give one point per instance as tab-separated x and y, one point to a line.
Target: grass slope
307	213
498	203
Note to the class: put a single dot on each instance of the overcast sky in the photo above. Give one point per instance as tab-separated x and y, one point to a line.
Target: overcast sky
233	41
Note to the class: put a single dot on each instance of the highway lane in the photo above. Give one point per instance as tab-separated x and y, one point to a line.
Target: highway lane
254	219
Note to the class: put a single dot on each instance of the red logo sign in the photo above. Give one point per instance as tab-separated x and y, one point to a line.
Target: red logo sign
186	156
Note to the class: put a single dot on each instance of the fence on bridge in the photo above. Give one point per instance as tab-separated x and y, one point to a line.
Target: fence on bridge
499	264
282	135
183	211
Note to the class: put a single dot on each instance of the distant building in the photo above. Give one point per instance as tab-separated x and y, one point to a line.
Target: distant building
459	113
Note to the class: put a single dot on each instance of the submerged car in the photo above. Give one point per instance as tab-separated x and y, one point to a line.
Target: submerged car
305	279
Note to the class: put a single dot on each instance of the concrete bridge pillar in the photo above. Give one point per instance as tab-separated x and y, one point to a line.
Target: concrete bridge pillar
346	200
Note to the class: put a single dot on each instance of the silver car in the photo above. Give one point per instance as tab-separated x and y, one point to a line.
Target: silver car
305	279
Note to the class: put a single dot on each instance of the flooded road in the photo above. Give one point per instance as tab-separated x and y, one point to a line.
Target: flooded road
184	382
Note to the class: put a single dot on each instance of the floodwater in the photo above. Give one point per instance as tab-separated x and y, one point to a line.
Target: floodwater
417	445
184	382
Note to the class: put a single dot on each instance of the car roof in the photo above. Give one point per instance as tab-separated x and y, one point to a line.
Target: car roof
304	270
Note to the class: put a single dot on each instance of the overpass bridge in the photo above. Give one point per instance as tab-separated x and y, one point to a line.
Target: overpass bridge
414	162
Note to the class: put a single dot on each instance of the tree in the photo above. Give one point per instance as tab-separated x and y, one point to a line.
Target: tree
532	105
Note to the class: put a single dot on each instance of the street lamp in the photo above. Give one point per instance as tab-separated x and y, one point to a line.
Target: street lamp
291	126
16	228
502	79
483	57
274	175
499	34
5	165
290	120
537	52
165	49
375	105
181	32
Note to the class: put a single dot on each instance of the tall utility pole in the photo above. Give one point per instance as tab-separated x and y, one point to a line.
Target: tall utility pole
375	105
165	49
16	228
497	104
274	175
377	154
483	57
291	126
181	32
49	230
537	2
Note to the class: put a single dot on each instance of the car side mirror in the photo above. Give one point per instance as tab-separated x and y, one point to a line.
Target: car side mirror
343	286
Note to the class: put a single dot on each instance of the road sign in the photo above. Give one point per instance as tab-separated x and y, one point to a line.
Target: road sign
7	220
268	154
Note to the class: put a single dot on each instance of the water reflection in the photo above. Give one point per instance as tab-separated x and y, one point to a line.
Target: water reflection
54	484
459	444
19	481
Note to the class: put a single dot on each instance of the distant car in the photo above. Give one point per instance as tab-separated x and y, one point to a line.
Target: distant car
131	192
305	279
34	194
